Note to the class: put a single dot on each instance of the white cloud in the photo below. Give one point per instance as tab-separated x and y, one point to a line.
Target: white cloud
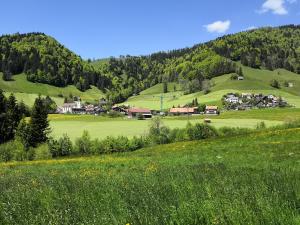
276	6
218	26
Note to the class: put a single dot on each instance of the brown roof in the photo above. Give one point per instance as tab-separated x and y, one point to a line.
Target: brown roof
211	107
182	110
137	110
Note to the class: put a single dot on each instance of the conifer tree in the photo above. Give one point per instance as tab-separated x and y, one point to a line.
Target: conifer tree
39	124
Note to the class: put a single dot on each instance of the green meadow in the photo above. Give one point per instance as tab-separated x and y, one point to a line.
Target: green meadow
101	127
256	81
247	179
28	91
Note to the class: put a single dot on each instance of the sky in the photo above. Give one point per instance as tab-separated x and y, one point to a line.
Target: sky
99	29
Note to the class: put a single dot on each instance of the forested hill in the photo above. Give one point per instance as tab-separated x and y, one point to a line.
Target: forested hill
45	60
269	48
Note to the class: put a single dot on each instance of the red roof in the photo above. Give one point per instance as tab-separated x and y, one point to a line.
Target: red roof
137	110
182	110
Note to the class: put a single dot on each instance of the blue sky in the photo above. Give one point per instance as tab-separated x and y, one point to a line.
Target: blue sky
98	29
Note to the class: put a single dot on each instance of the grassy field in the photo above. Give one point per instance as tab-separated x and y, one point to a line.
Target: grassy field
253	179
27	91
101	127
256	81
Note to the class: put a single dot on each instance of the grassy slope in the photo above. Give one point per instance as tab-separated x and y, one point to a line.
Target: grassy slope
28	91
256	81
221	181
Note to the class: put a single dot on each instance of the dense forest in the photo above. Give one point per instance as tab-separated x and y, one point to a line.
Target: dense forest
44	60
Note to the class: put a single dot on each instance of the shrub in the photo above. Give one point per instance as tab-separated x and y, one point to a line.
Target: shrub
233	131
275	84
200	131
261	125
65	145
42	152
83	145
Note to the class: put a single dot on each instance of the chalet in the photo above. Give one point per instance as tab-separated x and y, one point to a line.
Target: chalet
247	95
134	112
183	111
90	109
232	99
119	109
212	110
68	107
240	78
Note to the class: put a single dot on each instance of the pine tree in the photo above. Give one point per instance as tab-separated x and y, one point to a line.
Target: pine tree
12	116
3	120
39	124
165	87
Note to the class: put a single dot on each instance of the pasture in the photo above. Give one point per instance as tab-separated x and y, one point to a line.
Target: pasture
256	81
101	127
28	91
251	179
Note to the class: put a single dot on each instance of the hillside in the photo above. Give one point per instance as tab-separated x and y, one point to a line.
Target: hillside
219	181
45	60
264	48
28	91
256	81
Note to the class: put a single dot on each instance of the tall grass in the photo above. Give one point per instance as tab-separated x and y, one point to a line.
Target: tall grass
228	180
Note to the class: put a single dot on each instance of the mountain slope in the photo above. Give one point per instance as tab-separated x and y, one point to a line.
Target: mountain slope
269	48
256	81
44	60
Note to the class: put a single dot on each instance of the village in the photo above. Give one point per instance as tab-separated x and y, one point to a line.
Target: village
231	101
103	108
247	101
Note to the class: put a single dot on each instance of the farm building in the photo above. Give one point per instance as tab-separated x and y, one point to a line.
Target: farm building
183	111
212	110
68	107
134	112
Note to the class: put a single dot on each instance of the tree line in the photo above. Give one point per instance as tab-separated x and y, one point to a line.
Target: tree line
15	123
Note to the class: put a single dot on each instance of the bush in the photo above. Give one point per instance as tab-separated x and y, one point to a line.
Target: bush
65	145
42	152
275	84
233	131
200	131
84	144
261	125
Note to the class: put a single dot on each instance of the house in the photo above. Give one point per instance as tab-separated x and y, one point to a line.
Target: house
212	110
135	112
232	99
240	78
291	85
119	109
68	108
90	109
183	111
246	95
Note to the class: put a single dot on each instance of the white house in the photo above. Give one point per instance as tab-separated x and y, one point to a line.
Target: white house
232	99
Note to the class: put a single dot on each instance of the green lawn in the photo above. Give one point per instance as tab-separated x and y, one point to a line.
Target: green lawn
27	90
252	179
